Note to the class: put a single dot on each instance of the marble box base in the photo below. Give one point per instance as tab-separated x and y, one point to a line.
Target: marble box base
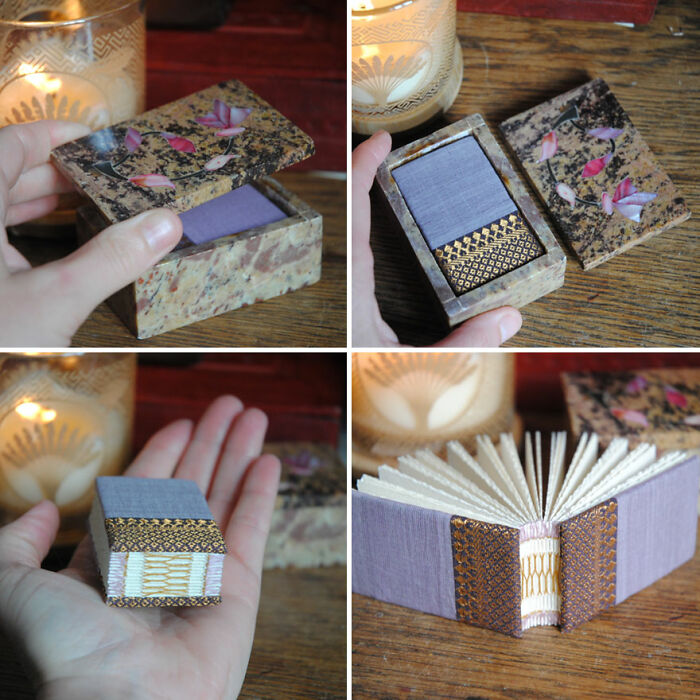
195	282
501	271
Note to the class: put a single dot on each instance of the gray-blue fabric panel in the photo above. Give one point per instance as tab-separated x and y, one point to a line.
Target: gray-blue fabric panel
452	191
656	527
233	212
129	497
402	554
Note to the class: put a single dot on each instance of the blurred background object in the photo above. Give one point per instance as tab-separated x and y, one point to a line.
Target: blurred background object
78	60
65	418
203	14
403	402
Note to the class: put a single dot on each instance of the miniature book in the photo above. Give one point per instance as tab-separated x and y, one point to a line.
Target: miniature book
156	543
485	541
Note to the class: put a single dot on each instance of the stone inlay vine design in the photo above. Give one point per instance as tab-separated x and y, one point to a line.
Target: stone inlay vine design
226	119
627	200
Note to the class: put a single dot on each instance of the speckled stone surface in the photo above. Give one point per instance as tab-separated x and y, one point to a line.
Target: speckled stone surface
195	282
100	164
309	522
593	235
517	287
657	406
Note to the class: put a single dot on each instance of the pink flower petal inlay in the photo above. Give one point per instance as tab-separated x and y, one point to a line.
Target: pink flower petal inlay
231	132
132	140
549	146
638	384
630	416
151	180
630	211
628	201
693	420
219	161
566	193
624	189
606	203
675	397
224	117
593	167
179	143
605	132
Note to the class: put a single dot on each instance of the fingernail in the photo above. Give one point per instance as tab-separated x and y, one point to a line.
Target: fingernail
158	228
509	324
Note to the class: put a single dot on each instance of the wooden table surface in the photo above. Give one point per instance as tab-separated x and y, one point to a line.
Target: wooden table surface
646	647
310	317
647	296
301	638
300	641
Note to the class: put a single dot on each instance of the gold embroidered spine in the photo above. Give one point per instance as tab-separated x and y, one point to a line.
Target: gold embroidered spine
164	535
163	601
588	544
486	565
487	253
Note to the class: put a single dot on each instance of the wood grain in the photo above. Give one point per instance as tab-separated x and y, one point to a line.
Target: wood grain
647	647
301	637
310	317
648	295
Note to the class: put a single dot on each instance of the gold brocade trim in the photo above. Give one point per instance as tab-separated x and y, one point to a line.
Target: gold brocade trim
163	601
487	253
486	563
164	535
588	546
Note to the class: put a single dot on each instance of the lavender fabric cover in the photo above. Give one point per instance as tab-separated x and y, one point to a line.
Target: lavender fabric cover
402	554
452	191
656	527
233	212
129	497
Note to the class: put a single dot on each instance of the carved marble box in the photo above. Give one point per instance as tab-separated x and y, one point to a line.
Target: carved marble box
477	234
206	157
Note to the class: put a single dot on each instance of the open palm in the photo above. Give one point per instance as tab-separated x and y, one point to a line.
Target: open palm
81	648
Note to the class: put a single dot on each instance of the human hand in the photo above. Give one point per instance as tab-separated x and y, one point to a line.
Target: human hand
44	306
369	329
78	644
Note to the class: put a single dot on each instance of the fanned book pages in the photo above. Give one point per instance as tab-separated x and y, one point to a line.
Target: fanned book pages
507	545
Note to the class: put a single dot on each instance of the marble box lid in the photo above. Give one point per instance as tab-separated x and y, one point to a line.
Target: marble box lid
602	185
184	153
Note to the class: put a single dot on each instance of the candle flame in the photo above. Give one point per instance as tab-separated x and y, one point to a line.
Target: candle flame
33	411
41	81
361	5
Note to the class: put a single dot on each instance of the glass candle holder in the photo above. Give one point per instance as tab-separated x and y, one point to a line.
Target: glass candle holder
406	62
403	402
80	60
64	419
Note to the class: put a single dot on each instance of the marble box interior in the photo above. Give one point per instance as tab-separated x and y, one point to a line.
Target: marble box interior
475	231
248	245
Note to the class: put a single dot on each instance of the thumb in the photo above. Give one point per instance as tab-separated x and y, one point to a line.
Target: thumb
115	258
28	539
487	330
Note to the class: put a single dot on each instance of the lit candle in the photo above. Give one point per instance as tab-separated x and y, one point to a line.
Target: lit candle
63	421
75	62
406	62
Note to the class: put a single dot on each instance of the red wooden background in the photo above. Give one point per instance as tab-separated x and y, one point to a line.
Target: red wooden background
303	394
291	52
635	11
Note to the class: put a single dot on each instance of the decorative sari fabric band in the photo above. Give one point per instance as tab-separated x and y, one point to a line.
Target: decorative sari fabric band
488	252
588	545
486	564
164	535
163	601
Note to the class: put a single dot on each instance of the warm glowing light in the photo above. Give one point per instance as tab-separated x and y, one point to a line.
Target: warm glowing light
74	9
48	415
28	410
361	5
369	50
